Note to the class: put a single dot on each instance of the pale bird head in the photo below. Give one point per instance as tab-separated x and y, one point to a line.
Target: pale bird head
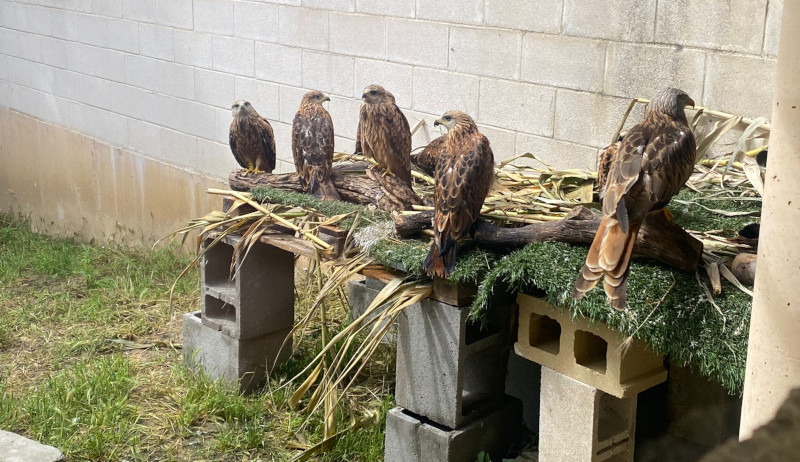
242	108
374	94
671	101
315	97
451	118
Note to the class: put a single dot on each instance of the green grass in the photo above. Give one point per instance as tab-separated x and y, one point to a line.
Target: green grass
65	383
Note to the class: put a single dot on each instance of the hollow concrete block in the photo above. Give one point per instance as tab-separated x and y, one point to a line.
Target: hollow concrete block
579	423
242	363
258	299
360	295
589	352
411	438
448	370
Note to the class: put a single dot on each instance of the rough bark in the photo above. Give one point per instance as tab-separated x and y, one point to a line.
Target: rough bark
658	238
386	192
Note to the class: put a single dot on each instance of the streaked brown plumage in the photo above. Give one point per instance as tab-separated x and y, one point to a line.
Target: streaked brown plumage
464	176
604	165
426	160
312	146
653	162
251	139
384	132
358	149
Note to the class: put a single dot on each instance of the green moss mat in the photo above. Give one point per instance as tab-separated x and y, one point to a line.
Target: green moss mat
668	308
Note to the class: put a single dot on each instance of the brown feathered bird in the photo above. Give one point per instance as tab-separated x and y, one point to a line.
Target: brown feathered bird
312	146
653	162
358	149
464	176
604	165
384	132
251	139
426	160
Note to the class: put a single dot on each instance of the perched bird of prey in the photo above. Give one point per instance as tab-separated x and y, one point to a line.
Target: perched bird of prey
464	175
312	146
251	139
358	149
652	163
426	160
384	132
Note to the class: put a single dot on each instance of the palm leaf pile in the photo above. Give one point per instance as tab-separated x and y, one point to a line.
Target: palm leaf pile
700	319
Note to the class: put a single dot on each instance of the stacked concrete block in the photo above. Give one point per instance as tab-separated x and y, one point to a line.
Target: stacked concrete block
411	438
450	387
579	423
589	352
247	312
360	295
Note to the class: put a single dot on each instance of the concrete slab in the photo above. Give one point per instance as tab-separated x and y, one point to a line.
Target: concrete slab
17	448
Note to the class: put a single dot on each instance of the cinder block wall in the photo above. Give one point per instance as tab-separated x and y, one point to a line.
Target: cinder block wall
157	77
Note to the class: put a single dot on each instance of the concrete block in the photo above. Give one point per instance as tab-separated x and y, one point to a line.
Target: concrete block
772	29
415	42
562	61
503	142
397	78
194	118
410	438
290	101
493	52
404	8
242	363
338	5
179	148
140	10
65	25
518	14
93	30
701	411
215	16
560	154
233	55
214	88
586	351
214	159
124	36
156	41
344	112
17	448
463	12
436	92
523	381
144	137
279	63
303	28
222	125
448	370
622	19
328	73
360	295
257	21
587	118
39	20
634	70
111	8
175	79
580	423
358	35
264	96
193	48
730	26
526	108
258	299
739	84
176	13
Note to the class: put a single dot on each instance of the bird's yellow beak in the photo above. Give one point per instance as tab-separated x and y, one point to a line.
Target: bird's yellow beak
690	102
326	98
438	122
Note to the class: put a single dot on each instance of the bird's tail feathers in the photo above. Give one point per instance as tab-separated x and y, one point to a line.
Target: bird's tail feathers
441	259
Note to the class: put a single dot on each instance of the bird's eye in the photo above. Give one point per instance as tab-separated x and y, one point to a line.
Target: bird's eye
373	92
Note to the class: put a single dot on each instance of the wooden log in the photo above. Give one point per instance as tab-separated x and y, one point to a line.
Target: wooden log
658	238
385	192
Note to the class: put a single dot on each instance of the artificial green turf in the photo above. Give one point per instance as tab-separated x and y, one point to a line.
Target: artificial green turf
682	322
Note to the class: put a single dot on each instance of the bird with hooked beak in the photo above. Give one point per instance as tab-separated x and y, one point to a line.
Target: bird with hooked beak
384	133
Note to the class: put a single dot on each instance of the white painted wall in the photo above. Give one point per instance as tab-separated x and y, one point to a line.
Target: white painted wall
547	76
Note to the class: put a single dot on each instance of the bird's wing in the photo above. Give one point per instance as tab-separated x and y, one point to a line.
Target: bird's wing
298	126
625	167
233	135
604	165
426	160
267	142
668	161
463	179
399	143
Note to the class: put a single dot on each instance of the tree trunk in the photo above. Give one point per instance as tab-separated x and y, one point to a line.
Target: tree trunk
386	192
658	238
